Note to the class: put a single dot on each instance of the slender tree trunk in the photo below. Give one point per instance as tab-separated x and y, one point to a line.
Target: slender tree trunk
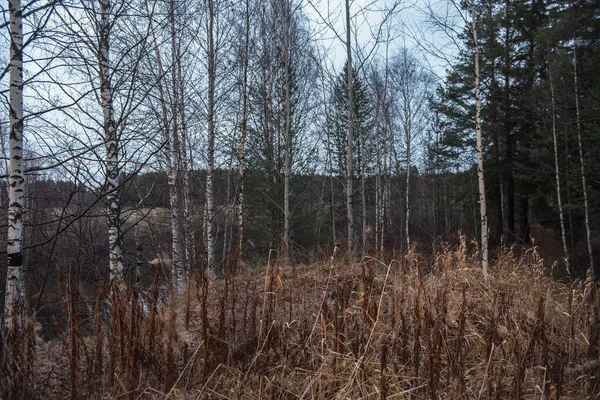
377	202
408	121
319	216
188	208
267	129
508	204
210	152
179	265
288	135
363	194
378	191
556	168
386	209
573	261
14	298
227	221
137	275
590	271
177	248
350	169
187	166
111	143
408	156
240	209
331	186
480	176
170	153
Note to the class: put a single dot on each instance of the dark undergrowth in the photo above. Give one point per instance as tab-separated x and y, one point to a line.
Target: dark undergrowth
401	330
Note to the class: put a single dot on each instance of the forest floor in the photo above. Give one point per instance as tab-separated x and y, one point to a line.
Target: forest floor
368	330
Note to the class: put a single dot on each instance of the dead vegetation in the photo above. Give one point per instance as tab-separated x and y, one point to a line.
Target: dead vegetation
401	330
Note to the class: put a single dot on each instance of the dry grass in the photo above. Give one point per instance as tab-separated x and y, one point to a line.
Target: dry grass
402	330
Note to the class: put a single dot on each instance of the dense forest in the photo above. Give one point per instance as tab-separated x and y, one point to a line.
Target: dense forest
156	152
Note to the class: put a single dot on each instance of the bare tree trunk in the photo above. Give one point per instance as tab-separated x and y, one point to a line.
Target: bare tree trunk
179	265
240	209
408	124
363	195
112	151
211	142
330	168
379	223
170	153
556	168
590	271
227	221
188	206
331	189
137	276
187	166
378	203
350	170
408	155
480	177
386	216
573	261
14	298
288	135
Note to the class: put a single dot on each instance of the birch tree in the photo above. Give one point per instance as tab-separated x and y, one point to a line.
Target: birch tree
556	167
171	123
243	134
288	125
210	152
590	271
105	97
14	301
480	176
349	166
111	143
413	85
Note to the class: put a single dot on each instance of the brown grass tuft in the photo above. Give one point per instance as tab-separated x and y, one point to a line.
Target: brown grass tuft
403	330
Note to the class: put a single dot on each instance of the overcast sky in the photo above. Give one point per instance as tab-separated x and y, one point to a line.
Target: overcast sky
409	26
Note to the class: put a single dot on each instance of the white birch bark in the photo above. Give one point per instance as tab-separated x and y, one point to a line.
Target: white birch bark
179	265
171	166
14	300
557	169
188	210
111	143
242	153
590	271
210	152
480	176
186	156
350	169
170	169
